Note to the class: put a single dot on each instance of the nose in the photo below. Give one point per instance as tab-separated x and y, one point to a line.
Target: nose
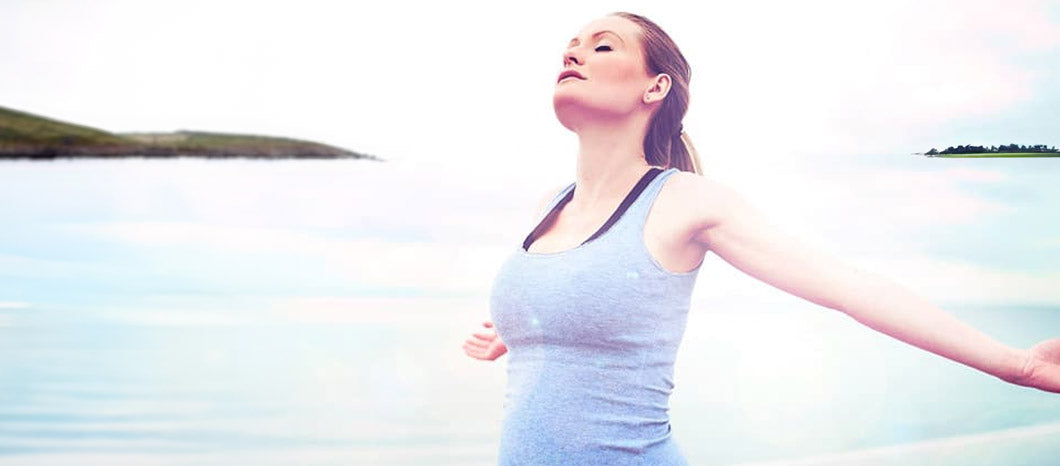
570	56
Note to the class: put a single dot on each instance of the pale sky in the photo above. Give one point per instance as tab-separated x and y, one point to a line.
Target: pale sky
796	104
470	82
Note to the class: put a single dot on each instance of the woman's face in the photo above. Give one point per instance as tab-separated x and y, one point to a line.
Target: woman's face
604	74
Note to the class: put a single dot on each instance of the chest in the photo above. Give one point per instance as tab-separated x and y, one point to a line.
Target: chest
605	295
668	232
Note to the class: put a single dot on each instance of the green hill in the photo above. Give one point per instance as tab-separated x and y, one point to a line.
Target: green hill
20	128
24	135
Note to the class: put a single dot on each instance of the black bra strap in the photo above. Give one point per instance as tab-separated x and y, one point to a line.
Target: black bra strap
628	201
617	214
546	222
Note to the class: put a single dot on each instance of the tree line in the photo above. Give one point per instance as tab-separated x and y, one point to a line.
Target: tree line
1002	149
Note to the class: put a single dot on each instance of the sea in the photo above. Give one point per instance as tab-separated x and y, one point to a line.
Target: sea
311	312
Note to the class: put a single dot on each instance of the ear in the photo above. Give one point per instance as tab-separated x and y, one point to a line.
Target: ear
658	89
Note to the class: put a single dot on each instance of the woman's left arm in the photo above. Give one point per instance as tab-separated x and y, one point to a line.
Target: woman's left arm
738	234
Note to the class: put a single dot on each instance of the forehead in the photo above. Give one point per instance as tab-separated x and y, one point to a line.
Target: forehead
626	30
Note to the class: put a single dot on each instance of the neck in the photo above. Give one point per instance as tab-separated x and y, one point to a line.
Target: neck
610	161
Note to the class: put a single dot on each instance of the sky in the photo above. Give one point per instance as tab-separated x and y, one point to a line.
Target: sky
797	105
411	81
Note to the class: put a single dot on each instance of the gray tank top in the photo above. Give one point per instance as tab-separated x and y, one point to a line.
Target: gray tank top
592	334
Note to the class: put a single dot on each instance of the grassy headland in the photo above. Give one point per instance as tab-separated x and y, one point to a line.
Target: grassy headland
1004	150
25	135
998	154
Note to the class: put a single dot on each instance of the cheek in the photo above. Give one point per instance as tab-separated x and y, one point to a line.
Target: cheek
622	72
615	86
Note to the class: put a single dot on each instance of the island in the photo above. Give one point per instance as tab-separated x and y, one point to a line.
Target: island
27	136
1004	150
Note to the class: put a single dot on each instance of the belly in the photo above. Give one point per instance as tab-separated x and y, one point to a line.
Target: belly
563	412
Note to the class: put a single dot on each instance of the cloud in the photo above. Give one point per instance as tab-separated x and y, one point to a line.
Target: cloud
14	305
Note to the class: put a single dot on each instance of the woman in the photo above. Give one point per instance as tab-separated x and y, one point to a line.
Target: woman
593	306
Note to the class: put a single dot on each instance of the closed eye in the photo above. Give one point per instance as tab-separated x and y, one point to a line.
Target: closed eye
603	48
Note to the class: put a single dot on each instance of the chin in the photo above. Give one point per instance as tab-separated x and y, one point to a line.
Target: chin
572	109
569	109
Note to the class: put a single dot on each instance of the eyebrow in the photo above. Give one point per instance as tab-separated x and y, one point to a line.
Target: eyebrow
575	40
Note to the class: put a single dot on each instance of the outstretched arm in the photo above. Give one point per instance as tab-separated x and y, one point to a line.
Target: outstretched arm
739	235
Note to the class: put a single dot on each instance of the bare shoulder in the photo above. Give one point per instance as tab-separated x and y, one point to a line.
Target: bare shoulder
545	200
701	201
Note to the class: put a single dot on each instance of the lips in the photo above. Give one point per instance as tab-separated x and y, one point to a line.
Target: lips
569	74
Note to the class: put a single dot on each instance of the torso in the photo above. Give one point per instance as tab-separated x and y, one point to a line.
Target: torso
670	230
593	327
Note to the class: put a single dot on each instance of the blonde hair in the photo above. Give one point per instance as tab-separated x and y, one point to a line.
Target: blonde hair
691	154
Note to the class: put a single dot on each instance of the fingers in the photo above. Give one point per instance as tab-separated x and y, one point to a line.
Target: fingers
477	352
483	345
470	346
476	343
474	354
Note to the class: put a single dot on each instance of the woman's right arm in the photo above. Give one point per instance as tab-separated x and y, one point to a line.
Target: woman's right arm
487	345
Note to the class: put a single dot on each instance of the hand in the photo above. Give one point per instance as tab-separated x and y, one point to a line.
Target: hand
1042	370
485	345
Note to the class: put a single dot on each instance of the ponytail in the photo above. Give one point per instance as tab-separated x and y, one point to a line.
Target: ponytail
666	143
683	155
674	152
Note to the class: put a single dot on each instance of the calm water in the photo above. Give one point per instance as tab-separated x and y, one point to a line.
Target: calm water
249	312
